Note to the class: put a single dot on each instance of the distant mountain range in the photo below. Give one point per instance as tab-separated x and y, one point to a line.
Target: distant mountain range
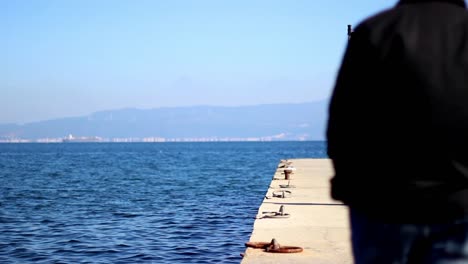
305	121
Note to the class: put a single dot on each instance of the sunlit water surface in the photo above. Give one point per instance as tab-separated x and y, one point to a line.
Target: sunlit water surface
135	203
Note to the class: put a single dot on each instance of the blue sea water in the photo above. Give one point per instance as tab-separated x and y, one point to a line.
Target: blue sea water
135	203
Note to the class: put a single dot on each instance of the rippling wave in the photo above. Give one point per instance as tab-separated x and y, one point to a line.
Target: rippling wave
135	203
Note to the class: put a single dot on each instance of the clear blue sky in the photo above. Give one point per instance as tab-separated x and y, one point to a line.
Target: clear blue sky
69	58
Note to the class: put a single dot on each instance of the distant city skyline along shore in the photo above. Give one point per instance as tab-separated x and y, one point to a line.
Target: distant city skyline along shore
272	122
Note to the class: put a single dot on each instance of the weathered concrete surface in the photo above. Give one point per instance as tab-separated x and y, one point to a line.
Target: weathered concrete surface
317	223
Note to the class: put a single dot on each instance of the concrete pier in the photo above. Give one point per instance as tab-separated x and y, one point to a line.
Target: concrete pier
316	223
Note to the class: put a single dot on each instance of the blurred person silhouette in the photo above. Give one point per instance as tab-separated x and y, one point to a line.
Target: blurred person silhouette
398	134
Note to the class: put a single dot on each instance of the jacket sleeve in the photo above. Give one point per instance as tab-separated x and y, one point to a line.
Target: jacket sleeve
350	109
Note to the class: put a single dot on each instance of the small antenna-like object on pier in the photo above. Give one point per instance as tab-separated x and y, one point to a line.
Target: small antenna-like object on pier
350	31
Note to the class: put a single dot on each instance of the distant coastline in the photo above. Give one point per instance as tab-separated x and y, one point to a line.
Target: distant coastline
95	139
277	122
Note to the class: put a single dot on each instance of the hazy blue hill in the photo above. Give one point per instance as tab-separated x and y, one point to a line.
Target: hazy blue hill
293	120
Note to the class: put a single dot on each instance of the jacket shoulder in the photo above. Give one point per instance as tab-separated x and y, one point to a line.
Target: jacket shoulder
376	19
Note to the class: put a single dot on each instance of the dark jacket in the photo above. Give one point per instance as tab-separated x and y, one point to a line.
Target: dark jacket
398	117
